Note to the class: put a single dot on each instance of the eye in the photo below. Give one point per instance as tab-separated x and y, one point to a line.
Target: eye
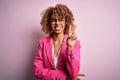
61	19
52	20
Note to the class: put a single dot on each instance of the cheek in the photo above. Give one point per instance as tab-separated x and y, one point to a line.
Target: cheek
63	27
52	28
63	24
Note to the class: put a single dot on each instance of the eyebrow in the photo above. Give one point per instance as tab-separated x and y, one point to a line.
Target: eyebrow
57	19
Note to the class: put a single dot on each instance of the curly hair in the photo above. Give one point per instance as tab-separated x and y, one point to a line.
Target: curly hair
60	9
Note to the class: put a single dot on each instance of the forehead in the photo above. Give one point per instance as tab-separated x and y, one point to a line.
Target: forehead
57	16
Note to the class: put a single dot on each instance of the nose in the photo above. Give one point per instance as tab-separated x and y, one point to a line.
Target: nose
57	22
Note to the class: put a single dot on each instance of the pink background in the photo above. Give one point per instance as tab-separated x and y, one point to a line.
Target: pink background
98	28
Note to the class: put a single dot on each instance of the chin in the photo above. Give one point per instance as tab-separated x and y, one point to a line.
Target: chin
58	32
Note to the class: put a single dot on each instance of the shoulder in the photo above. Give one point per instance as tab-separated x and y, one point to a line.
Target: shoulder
78	43
45	39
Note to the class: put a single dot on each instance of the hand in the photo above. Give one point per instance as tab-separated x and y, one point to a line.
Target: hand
71	38
79	76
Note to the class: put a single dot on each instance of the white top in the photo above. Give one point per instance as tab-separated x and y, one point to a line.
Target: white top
55	58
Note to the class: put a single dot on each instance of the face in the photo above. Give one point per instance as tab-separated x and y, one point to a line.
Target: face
57	24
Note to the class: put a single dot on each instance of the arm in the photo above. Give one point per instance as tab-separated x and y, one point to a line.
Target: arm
72	54
45	73
73	60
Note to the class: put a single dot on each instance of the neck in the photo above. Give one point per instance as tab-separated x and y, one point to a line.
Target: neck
58	37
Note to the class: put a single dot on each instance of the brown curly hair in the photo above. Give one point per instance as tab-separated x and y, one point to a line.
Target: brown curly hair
60	9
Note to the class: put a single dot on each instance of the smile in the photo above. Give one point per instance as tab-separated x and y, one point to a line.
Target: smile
57	28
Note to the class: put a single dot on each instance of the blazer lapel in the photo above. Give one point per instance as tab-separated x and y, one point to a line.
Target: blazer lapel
62	52
48	49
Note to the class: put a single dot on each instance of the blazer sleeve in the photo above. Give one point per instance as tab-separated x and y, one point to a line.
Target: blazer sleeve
73	60
45	73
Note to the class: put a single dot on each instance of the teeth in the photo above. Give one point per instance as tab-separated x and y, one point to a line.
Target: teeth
57	28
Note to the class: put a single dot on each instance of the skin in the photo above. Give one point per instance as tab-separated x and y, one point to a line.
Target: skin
71	38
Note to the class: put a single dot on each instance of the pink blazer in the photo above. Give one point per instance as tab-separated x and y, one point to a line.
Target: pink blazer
68	61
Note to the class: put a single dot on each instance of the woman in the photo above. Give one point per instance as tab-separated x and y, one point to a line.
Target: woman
58	55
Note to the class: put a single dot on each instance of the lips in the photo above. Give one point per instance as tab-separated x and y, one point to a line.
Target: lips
57	28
